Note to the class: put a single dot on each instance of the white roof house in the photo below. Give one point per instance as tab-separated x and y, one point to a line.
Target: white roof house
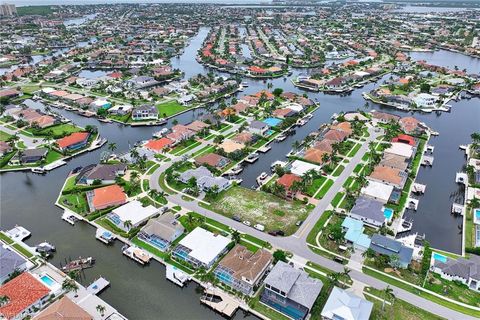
346	305
400	149
294	106
48	90
133	211
300	167
377	190
204	245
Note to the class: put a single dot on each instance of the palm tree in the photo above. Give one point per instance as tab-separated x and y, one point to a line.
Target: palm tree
333	277
236	236
69	285
101	309
387	293
346	272
112	146
127	224
4	300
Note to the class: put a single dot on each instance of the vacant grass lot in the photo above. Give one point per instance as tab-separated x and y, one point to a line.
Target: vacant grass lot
261	207
4	136
170	108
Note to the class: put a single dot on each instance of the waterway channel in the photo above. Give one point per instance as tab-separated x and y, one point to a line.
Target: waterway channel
143	293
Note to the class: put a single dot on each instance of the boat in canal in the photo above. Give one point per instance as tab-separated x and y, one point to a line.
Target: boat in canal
105	236
45	248
136	254
252	158
79	264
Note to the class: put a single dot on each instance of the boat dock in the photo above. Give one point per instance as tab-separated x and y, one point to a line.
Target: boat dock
220	301
105	236
69	217
412	204
79	264
176	275
98	286
427	161
457	208
136	254
461	177
18	233
429	148
252	158
418	188
264	149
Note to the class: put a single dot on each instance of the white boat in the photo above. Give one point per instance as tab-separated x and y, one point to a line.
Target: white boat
70	218
301	122
245	84
278	163
236	170
261	178
280	137
45	247
463	147
252	158
136	254
176	275
39	170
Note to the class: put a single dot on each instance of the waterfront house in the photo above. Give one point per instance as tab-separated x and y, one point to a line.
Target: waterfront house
9	93
353	229
401	149
103	173
467	271
162	231
344	126
63	309
159	145
180	133
384	117
242	269
120	110
392	176
258	127
105	197
145	112
411	125
231	146
205	179
290	291
378	191
345	305
141	82
212	159
201	248
98	104
369	211
245	137
25	294
394	161
387	246
425	100
336	135
405	138
134	212
33	155
10	262
287	180
74	141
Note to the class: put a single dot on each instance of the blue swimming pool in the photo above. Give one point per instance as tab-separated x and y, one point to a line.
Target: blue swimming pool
439	257
477	214
272	122
47	280
388	213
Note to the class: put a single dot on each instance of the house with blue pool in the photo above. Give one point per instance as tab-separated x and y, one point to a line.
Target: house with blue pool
467	271
242	269
354	234
290	291
272	122
162	231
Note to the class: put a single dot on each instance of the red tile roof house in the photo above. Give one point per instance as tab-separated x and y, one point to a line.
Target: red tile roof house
158	145
74	141
105	197
287	181
335	135
213	160
405	138
411	125
24	293
9	93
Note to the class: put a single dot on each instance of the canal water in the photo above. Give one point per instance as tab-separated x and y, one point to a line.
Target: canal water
143	293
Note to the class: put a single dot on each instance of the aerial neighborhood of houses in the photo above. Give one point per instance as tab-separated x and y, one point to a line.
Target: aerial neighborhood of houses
276	157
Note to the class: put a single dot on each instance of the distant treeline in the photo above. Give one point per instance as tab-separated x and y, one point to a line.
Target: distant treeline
34	10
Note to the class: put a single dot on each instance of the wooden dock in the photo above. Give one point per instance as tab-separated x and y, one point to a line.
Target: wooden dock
220	301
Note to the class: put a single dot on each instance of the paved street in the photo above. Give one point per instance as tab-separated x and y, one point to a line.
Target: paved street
297	244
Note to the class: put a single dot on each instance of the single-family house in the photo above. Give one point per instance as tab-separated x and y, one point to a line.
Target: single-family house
344	305
145	112
10	262
467	271
353	229
213	160
390	247
369	211
133	212
105	197
63	309
104	173
161	232
74	141
258	127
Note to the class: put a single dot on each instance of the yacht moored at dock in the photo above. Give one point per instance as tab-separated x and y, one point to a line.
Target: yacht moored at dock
176	275
79	264
136	254
252	157
105	236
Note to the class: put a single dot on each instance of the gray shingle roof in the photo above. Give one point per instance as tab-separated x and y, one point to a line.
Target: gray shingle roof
9	261
296	283
461	267
384	245
369	208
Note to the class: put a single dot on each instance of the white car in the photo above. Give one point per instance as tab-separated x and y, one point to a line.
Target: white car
247	223
260	227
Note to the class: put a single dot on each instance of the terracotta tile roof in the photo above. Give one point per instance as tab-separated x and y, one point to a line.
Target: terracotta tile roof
288	179
108	196
404	138
74	138
324	146
158	144
63	309
335	135
388	174
243	137
343	126
409	124
314	155
22	291
212	159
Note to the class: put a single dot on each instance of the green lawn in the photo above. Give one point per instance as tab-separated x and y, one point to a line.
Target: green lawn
452	289
311	238
22	250
257	241
169	108
423	294
311	189
4	136
57	131
76	202
338	171
354	150
52	156
261	207
5	238
337	198
324	189
399	310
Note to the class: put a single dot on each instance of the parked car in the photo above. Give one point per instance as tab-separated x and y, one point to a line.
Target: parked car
277	233
259	226
299	223
237	218
247	223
